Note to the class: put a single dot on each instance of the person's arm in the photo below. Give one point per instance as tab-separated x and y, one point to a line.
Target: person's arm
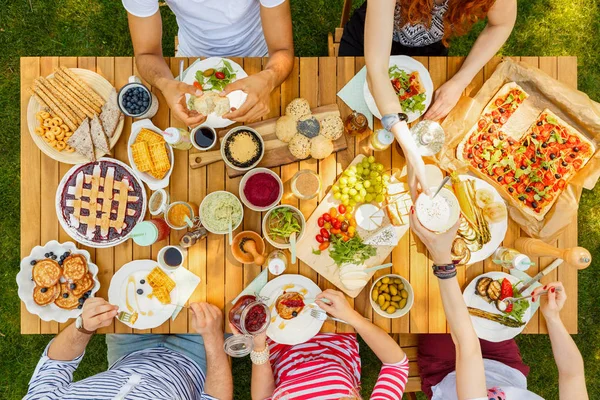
208	321
277	28
571	374
263	382
146	36
501	20
470	374
379	30
382	344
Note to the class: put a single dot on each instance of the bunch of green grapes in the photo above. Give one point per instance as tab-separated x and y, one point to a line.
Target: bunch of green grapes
362	183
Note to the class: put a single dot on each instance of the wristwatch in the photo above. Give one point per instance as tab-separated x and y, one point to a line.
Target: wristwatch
80	328
389	120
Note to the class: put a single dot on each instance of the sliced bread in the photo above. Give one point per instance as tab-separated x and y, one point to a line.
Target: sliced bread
111	115
81	141
101	146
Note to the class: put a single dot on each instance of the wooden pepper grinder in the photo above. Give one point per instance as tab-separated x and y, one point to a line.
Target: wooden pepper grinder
578	257
249	246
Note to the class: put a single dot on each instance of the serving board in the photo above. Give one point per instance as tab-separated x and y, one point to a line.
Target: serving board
322	263
276	151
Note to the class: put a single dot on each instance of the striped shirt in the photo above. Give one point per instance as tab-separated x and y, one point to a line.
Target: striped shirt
328	367
150	374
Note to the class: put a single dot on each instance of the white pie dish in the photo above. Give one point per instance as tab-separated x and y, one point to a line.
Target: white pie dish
50	312
152	182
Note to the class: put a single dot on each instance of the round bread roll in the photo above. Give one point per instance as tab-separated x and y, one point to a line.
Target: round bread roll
298	108
332	127
309	126
320	147
299	146
285	128
205	104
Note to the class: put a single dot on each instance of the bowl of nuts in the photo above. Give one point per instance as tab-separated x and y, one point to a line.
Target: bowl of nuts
391	296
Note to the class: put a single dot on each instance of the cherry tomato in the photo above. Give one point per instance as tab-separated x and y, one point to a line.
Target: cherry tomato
321	222
353	223
345	237
341	218
336	224
323	246
319	238
351	229
351	234
219	75
348	216
335	231
197	85
342	209
327	225
324	233
333	212
327	217
349	209
344	227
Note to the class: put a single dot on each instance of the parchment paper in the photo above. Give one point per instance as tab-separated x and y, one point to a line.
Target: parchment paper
573	106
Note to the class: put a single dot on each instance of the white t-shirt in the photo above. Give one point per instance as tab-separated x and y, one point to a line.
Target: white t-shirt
213	27
504	383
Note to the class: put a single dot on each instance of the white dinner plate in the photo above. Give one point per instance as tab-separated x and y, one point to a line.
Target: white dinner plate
409	65
155	312
50	312
236	98
296	330
497	230
490	330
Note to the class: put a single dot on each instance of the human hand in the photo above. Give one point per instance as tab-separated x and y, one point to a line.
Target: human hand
174	93
554	301
417	179
207	321
444	99
97	313
438	244
338	307
258	87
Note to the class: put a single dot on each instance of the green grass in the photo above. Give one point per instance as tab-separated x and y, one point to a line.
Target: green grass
99	28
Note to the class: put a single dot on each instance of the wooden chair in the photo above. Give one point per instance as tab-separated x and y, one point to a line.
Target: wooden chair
409	342
333	39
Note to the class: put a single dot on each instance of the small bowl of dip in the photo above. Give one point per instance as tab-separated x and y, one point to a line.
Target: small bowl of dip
242	148
261	189
218	209
440	213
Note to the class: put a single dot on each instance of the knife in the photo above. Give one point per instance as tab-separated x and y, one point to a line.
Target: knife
444	181
540	275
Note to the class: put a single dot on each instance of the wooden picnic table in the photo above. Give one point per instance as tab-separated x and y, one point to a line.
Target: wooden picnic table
222	278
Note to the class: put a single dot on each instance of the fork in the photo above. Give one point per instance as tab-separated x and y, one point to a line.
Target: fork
124	316
322	316
510	300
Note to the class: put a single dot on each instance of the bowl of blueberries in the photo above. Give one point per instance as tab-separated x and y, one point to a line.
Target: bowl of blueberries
135	100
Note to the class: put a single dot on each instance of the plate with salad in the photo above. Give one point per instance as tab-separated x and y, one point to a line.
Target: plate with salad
493	319
213	75
412	84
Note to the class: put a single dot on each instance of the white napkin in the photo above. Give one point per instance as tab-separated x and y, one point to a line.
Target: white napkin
353	95
186	284
255	286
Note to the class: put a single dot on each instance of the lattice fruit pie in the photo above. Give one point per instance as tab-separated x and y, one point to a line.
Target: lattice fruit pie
99	203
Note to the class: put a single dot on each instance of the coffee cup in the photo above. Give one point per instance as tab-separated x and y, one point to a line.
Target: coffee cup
203	137
171	257
136	100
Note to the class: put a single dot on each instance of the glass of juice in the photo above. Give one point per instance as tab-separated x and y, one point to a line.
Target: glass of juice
306	184
179	215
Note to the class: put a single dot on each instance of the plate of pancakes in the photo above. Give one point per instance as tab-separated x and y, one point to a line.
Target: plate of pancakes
56	279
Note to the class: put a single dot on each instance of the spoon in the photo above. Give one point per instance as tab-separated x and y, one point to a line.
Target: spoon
378	267
293	247
442	184
188	221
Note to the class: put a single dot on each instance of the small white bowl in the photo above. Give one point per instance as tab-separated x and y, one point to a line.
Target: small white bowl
399	313
234	226
265	227
243	185
232	131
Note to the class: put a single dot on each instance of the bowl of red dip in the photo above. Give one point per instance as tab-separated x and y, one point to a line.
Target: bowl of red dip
261	189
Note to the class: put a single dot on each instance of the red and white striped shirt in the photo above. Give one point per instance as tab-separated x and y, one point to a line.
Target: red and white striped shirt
328	367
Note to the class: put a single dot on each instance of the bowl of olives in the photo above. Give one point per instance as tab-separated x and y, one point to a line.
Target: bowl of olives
391	296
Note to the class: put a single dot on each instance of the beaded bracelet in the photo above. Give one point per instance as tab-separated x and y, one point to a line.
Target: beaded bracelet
446	271
260	357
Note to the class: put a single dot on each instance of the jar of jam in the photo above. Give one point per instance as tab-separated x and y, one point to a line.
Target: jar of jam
250	315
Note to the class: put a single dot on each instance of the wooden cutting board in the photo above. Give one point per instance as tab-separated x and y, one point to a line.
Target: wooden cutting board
322	263
276	151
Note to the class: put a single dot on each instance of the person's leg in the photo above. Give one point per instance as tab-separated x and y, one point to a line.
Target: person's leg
352	43
436	359
119	345
189	345
506	352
